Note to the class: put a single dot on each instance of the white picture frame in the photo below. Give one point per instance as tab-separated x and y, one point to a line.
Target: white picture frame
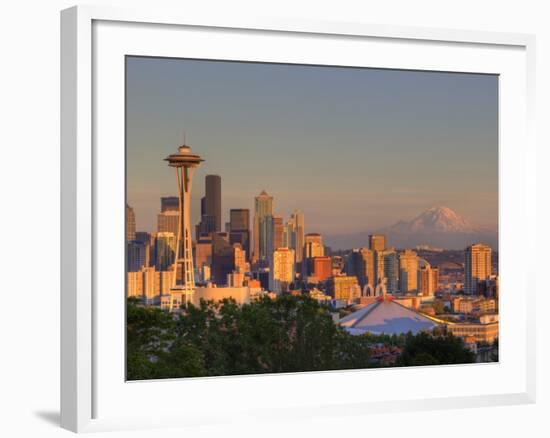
91	391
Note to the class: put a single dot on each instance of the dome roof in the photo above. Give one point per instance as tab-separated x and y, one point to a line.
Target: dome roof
388	317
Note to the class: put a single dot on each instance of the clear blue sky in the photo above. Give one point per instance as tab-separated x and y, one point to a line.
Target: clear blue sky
353	148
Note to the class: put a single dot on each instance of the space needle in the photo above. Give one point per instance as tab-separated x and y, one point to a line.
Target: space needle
183	281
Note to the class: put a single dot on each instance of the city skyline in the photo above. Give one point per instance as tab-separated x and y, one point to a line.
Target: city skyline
241	273
377	193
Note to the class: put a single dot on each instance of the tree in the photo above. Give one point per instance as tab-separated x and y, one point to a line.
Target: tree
286	334
152	350
429	349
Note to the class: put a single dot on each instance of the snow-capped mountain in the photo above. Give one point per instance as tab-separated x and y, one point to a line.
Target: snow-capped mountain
439	226
436	219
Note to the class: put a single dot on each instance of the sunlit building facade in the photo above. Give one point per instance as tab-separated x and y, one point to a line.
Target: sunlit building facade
408	272
377	242
428	280
282	271
343	287
477	267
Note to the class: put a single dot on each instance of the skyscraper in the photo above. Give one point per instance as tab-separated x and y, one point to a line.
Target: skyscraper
130	224
148	241
263	226
211	207
167	221
377	242
169	203
408	272
203	255
321	267
295	231
239	258
391	269
223	258
213	200
165	251
277	232
477	267
314	245
239	224
281	270
368	273
136	256
428	280
184	162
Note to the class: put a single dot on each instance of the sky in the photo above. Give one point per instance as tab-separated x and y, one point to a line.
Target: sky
354	149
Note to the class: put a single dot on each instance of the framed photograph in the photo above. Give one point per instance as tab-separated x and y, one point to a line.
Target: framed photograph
270	217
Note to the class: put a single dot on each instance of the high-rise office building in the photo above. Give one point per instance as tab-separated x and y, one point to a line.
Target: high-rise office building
239	257
169	203
391	269
293	235
211	208
165	251
137	256
203	254
213	199
377	242
239	220
428	280
282	270
277	232
360	263
321	267
477	267
408	272
314	245
223	258
167	221
338	264
148	241
354	264
130	224
263	226
368	272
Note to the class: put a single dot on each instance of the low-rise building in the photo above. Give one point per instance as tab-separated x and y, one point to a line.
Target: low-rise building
486	330
343	287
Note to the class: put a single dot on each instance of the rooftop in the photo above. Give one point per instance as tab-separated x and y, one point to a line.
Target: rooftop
388	317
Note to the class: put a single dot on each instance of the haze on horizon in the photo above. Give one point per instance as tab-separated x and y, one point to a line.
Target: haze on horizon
355	149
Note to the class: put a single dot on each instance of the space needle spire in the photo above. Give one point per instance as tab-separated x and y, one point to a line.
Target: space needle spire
183	281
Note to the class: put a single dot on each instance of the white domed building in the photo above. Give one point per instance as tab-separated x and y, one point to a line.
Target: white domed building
386	316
